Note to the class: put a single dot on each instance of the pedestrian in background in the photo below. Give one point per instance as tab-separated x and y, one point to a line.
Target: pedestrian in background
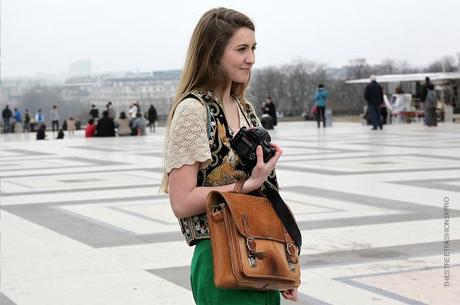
373	94
54	115
269	108
39	118
6	116
94	113
320	98
431	101
152	117
26	126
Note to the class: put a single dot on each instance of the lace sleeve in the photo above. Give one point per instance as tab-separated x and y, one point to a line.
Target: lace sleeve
188	138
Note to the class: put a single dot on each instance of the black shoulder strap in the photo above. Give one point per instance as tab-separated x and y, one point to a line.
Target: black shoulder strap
284	214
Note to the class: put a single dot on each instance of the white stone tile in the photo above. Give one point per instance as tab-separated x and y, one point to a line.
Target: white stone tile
115	288
338	293
376	235
139	217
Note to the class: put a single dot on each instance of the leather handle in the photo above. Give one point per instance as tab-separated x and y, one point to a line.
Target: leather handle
239	186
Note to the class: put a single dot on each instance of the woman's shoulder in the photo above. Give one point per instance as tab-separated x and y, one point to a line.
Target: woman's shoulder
190	105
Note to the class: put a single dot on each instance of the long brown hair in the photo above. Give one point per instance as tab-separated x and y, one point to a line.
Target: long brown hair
202	70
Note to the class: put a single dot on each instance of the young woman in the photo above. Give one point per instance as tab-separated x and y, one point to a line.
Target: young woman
208	110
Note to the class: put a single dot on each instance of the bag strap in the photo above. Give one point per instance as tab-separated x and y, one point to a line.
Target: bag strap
281	209
284	214
239	186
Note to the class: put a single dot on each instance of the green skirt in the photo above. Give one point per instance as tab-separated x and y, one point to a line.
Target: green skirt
204	291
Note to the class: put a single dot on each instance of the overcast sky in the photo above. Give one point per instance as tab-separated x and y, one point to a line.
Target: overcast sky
46	36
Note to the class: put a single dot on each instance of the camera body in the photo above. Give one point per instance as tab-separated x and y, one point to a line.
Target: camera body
246	141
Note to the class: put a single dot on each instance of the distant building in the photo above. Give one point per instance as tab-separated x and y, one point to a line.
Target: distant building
123	89
80	68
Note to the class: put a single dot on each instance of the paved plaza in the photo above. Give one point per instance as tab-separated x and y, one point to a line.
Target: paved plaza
82	221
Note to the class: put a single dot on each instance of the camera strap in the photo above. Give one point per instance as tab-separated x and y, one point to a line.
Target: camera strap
243	112
284	213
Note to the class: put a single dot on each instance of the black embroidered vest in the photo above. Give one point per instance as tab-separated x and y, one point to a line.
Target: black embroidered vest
225	167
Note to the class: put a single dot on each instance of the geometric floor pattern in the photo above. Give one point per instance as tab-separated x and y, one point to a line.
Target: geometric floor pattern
83	223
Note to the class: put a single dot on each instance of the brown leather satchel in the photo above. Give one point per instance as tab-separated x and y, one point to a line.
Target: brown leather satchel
250	246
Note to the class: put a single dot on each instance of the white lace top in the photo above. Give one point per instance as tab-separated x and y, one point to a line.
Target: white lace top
188	136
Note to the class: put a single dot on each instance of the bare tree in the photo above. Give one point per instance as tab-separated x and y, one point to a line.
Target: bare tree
266	82
393	66
303	77
458	61
358	68
388	66
445	64
45	97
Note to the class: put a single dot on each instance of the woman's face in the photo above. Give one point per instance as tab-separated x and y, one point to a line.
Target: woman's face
238	56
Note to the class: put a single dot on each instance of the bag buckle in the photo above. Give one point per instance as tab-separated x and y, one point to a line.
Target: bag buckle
252	248
251	244
291	250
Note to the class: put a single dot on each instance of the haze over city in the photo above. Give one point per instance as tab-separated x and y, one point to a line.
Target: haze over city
47	36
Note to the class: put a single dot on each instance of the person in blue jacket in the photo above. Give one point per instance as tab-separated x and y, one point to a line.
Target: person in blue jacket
321	95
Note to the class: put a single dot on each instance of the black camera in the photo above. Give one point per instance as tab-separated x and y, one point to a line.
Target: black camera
246	141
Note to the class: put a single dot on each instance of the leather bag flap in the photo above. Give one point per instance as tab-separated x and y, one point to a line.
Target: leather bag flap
261	219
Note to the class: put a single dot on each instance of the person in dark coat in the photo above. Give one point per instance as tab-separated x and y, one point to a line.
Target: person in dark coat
60	134
105	126
373	94
94	113
41	132
425	89
152	117
431	101
6	116
269	108
26	126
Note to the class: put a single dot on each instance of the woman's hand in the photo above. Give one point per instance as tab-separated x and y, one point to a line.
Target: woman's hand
290	294
261	171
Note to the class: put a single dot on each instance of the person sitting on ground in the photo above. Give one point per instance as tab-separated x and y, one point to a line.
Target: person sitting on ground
105	126
71	126
269	108
123	125
60	134
41	132
139	125
90	128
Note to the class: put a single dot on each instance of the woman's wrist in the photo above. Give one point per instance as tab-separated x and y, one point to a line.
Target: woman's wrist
250	185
